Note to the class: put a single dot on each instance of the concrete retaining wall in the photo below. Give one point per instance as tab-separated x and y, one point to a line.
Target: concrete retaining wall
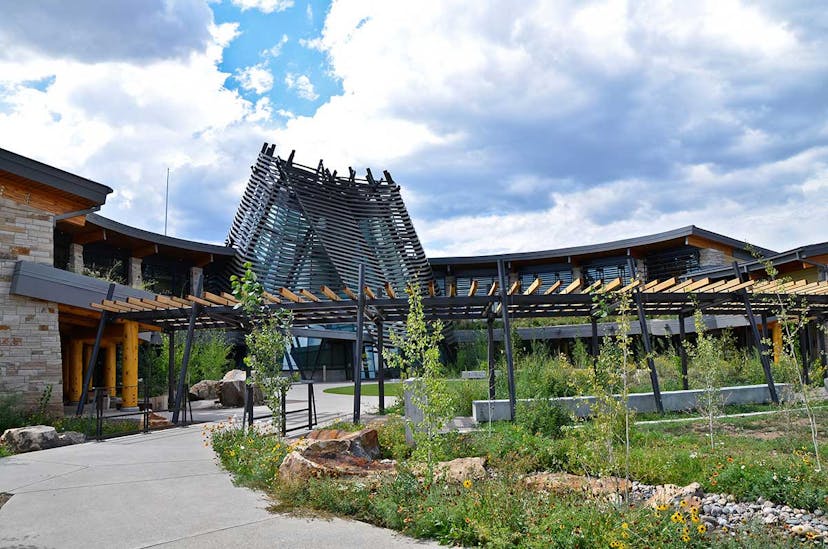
673	401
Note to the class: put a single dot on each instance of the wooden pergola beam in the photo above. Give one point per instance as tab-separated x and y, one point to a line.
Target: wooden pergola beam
533	287
330	294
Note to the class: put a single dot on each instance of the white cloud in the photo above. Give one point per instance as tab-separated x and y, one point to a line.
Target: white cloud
265	6
747	204
276	49
302	85
256	78
124	123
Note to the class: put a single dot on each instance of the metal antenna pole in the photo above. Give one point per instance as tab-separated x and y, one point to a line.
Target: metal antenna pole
167	202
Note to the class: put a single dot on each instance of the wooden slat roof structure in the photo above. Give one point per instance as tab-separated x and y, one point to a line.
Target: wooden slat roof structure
387	303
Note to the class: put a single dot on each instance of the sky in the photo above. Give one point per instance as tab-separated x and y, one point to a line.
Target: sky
511	126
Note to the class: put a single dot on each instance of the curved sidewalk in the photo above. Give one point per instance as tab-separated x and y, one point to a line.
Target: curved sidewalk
162	489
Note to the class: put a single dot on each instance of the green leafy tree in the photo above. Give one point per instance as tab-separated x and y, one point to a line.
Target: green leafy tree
611	420
267	339
418	357
708	363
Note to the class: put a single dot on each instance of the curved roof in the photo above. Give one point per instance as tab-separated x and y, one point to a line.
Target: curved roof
155	238
604	247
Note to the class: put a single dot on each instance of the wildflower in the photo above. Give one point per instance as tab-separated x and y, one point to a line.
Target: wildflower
624	526
685	538
615	543
694	517
702	528
663	507
467	483
729	459
714	482
677	517
683	503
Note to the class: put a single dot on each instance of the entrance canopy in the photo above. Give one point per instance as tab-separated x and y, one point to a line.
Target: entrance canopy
388	304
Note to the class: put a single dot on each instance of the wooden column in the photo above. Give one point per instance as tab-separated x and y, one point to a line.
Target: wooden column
776	336
74	366
129	373
109	378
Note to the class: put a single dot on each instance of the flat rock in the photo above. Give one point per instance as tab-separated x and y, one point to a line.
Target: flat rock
562	483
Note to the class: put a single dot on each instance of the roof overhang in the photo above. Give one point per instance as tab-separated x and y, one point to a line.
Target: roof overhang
48	283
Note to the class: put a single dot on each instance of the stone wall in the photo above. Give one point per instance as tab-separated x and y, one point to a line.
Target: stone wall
30	359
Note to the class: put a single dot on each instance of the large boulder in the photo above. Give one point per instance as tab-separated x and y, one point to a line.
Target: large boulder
333	453
461	469
235	375
205	390
38	437
231	390
364	443
231	393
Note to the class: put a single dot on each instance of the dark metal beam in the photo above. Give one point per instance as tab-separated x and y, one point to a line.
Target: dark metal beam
381	366
685	382
93	360
757	339
358	344
645	337
507	336
180	394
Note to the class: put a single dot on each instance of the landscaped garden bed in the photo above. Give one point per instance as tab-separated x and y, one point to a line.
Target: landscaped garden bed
758	487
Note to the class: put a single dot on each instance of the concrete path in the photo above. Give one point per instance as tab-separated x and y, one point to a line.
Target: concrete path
162	489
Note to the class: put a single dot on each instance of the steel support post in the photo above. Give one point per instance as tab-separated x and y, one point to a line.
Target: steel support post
358	344
507	336
803	351
645	337
491	356
188	345
93	359
171	370
757	339
381	366
685	382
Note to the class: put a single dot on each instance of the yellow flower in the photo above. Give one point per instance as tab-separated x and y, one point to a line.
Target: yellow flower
467	483
685	538
677	517
702	528
694	517
662	507
624	535
624	526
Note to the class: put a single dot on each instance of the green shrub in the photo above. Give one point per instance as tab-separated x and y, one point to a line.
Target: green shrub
542	417
11	413
466	391
391	435
252	455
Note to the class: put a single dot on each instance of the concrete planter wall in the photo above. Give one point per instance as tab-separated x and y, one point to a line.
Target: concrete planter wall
673	401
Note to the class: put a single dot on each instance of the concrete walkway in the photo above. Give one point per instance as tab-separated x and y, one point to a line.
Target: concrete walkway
162	489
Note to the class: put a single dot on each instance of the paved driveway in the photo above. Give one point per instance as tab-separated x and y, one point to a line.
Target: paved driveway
162	489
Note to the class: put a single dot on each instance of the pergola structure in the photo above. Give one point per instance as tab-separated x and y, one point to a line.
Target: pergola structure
387	304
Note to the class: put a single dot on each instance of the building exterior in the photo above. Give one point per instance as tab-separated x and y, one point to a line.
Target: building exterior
306	231
307	228
50	244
